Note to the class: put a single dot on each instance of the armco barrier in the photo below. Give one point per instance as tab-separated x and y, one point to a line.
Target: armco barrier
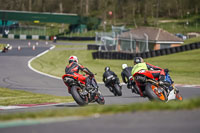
173	50
193	46
153	53
143	55
148	55
177	49
130	56
187	47
198	45
158	53
168	51
182	48
163	51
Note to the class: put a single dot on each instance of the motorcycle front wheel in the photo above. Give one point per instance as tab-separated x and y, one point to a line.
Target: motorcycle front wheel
80	100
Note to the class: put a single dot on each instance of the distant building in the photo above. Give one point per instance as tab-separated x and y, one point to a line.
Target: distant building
193	34
146	38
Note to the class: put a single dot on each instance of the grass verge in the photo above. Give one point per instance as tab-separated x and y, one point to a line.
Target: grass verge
2	46
106	109
191	40
184	66
14	97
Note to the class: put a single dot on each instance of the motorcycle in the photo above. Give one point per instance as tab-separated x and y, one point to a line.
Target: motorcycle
149	87
113	85
80	93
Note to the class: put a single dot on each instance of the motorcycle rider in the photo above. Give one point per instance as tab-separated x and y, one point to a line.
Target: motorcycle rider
128	78
126	75
157	72
108	73
73	69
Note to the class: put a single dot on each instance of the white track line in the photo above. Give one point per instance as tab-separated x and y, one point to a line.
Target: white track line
42	73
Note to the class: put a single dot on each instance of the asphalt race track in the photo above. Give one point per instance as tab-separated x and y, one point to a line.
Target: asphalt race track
15	74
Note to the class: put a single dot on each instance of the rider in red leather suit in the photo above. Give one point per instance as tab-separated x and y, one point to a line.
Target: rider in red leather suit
73	69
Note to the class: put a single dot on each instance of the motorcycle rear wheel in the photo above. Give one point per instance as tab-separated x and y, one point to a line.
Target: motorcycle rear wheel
77	97
117	89
152	94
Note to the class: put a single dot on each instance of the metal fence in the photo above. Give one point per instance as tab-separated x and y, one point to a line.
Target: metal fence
110	41
28	30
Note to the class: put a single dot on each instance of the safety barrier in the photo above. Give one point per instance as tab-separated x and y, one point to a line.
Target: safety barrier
130	56
37	37
93	47
24	37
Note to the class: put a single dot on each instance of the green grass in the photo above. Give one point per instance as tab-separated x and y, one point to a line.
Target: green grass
184	66
106	109
192	40
2	46
179	27
14	97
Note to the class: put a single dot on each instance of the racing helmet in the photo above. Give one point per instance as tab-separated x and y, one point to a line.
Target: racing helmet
73	59
138	60
124	66
107	68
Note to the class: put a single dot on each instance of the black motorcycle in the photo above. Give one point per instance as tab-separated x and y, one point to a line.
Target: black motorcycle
114	85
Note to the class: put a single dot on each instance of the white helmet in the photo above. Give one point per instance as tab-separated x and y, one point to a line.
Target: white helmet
73	59
124	66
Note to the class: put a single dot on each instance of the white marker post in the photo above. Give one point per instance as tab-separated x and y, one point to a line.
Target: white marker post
19	48
33	47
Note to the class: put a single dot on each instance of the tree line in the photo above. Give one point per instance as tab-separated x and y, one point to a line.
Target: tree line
114	11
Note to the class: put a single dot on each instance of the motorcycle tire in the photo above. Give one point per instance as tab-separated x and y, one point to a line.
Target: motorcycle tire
152	94
77	97
100	99
117	89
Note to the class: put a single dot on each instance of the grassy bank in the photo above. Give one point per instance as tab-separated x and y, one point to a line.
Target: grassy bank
14	97
107	109
191	40
2	46
184	66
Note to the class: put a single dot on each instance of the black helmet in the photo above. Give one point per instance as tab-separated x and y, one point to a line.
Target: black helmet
138	60
107	68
